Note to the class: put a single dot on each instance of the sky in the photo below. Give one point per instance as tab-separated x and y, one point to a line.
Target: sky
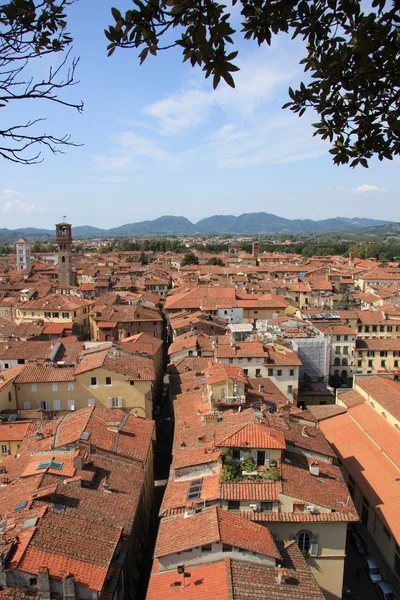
156	140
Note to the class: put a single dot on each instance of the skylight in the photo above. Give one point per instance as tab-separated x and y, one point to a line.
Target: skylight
194	491
50	464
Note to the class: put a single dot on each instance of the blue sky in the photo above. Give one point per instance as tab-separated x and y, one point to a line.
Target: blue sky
158	140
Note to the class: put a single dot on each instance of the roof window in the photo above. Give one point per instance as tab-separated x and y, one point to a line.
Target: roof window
194	491
50	464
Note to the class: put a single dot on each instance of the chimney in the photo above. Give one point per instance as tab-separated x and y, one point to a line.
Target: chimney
3	575
43	583
78	462
68	588
280	577
314	469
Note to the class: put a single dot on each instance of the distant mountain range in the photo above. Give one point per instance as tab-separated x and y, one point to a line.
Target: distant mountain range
246	224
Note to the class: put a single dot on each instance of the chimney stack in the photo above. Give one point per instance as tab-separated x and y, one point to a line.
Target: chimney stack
43	583
69	588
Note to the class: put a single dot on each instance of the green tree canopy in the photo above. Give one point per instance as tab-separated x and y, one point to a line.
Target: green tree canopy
189	259
352	58
216	261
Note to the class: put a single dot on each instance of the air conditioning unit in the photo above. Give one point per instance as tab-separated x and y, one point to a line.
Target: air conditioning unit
310	508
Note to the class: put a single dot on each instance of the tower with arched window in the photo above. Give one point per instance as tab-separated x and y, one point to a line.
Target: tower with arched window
64	253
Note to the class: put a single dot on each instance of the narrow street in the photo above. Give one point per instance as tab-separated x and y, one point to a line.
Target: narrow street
162	462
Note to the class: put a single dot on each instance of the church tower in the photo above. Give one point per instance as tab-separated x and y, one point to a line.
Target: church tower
23	248
64	252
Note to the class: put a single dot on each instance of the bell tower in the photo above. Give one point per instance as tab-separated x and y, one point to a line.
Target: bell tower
64	252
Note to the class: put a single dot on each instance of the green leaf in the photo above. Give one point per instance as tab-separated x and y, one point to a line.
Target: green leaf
116	14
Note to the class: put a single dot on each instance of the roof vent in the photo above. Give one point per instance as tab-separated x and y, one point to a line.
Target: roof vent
314	469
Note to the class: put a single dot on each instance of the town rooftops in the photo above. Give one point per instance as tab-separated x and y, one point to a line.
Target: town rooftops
177	534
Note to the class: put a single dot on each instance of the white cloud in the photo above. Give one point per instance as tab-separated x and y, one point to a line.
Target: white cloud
367	189
225	128
13	202
361	189
196	102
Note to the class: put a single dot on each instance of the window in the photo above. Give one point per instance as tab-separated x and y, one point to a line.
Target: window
47	315
56	405
206	549
222	393
396	353
27	405
383	364
246	372
291	372
279	372
70	386
261	457
115	402
54	387
374	327
359	363
249	360
396	364
190	353
304	541
390	328
65	315
233	504
384	415
336	362
91	402
235	454
289	389
71	404
338	350
20	361
6	366
258	372
226	548
367	329
93	381
43	404
194	490
308	542
55	315
383	354
108	381
382	328
371	353
345	349
370	364
4	449
338	338
33	387
266	506
270	372
346	338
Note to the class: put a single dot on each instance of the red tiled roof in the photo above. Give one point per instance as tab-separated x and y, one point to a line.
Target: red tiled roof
212	525
260	491
253	435
34	373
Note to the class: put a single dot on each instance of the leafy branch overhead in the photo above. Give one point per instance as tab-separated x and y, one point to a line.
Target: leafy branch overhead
29	30
352	59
